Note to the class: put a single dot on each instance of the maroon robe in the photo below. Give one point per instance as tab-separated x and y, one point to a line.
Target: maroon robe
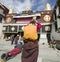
30	52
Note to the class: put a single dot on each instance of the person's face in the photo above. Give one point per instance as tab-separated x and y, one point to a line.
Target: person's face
34	18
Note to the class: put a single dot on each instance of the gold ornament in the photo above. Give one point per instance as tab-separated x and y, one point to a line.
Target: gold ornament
8	20
13	28
47	18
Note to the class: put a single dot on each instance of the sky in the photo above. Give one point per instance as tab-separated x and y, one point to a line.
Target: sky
35	5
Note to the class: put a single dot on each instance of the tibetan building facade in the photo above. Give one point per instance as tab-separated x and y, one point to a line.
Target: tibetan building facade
57	15
56	25
46	20
14	23
3	11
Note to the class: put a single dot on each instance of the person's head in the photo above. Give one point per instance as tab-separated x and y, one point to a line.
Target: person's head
18	35
33	20
3	55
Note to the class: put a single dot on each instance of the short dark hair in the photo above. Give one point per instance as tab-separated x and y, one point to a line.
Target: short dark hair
33	22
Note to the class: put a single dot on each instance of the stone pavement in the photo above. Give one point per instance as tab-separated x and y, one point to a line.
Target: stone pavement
46	54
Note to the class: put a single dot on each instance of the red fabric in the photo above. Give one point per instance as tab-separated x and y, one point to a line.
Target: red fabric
30	52
14	52
51	42
39	26
24	19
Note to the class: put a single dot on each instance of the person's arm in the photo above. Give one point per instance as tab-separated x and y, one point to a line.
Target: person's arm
39	26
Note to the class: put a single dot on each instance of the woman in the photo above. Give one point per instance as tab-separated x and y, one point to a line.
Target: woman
30	48
34	21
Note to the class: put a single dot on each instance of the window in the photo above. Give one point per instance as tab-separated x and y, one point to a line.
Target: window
38	18
14	20
46	28
55	25
59	9
55	15
0	20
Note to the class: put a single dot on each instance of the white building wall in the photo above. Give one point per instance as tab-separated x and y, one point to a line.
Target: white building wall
1	28
1	34
43	38
57	11
58	23
55	34
1	12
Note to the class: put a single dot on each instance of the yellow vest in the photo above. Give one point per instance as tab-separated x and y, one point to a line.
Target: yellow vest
30	32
